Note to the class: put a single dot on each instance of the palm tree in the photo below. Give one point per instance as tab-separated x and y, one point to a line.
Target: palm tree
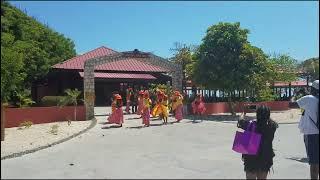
71	98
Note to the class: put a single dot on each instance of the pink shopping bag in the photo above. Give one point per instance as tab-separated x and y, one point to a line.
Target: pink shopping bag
247	142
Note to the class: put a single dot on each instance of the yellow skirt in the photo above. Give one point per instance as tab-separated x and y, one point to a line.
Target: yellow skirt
160	109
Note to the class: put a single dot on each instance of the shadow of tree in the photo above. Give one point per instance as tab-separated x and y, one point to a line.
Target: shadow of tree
218	117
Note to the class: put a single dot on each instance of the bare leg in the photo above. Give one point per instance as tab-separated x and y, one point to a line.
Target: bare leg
262	175
251	175
314	171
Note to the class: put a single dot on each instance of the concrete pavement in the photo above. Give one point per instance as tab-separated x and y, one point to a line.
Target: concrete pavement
177	150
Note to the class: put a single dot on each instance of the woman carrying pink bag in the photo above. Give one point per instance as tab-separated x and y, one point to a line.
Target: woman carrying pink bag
257	166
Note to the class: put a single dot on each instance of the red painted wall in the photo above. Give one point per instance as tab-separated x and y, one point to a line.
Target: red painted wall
39	115
222	107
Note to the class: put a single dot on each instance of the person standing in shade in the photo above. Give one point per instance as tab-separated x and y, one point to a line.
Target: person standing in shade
309	126
134	101
128	99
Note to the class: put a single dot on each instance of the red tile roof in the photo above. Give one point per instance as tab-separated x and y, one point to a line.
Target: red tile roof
293	83
121	76
78	61
130	64
126	64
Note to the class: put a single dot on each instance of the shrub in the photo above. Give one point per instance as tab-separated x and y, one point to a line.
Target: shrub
25	124
51	100
54	129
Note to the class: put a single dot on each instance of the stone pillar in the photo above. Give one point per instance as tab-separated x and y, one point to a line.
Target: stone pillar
89	93
177	80
2	122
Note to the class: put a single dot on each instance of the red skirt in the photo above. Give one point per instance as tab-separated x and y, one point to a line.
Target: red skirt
146	116
116	117
198	109
178	112
140	107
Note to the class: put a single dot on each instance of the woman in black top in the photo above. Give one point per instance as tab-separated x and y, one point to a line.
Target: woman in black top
257	166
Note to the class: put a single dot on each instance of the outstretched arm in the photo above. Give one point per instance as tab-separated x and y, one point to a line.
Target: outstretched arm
242	123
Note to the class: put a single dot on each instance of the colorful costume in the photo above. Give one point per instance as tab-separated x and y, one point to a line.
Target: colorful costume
161	108
146	109
177	105
113	104
117	115
140	102
198	106
128	97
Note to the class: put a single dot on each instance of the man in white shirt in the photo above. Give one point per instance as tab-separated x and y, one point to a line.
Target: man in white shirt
309	126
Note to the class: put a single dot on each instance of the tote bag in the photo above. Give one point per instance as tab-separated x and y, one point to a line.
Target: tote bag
247	142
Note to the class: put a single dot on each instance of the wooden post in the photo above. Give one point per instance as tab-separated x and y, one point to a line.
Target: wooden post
2	122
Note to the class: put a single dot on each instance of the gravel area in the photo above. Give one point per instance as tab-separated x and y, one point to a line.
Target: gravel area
22	139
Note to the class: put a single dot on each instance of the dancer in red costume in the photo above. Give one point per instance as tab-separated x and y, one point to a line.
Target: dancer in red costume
117	116
177	105
198	107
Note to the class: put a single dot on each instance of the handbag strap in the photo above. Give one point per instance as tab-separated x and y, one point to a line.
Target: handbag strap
251	126
316	124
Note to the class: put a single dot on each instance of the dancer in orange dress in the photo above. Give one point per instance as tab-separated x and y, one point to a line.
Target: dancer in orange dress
198	106
140	102
177	105
128	98
146	109
117	116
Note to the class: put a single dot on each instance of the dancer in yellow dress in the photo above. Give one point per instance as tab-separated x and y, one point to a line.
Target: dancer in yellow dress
161	107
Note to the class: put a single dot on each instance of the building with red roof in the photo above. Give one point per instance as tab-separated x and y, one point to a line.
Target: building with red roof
109	77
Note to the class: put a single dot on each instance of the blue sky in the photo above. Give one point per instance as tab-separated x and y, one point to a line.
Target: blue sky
276	27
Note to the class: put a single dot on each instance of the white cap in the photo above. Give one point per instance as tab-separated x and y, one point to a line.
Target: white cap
315	84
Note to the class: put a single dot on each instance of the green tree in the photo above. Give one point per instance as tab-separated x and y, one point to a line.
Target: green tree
28	50
284	67
184	55
311	66
219	63
72	97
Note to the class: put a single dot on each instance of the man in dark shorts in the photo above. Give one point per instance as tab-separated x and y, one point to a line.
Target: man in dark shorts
309	126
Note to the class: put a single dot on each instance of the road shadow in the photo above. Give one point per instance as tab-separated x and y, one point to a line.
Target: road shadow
104	123
302	160
101	114
218	117
133	118
151	125
195	121
110	127
135	127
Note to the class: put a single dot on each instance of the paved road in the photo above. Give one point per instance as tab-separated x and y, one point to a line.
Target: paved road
179	150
